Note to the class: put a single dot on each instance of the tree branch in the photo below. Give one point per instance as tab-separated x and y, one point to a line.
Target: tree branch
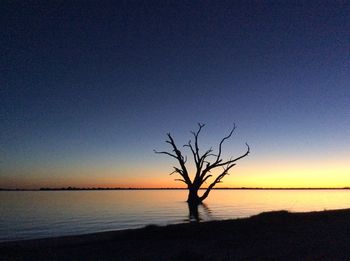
183	172
222	141
205	179
217	180
177	170
181	180
195	134
192	150
165	152
219	163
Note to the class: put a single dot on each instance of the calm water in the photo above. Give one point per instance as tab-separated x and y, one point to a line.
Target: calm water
25	215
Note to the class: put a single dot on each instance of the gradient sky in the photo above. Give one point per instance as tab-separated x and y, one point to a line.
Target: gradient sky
89	88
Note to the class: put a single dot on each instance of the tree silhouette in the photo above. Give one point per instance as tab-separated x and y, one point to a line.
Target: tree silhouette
204	166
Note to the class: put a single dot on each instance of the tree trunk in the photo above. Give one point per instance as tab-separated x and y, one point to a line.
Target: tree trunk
193	212
193	197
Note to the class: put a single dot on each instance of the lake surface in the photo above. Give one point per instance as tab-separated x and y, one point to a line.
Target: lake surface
38	214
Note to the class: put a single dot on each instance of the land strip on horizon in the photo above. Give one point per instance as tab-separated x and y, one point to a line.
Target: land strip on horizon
131	188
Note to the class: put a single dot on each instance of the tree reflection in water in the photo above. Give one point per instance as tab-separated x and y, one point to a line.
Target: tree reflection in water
194	215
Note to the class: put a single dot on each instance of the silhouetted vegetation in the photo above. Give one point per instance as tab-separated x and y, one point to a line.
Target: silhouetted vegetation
204	166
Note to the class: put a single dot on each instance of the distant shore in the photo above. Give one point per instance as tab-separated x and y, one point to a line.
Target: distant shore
117	188
279	235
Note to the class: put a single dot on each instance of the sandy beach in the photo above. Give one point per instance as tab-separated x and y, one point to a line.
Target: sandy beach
278	235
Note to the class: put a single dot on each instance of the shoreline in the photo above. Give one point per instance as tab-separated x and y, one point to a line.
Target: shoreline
276	235
111	189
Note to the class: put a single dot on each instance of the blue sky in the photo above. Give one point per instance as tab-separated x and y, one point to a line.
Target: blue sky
88	90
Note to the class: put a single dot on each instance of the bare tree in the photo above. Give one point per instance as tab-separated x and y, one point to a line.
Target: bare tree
204	166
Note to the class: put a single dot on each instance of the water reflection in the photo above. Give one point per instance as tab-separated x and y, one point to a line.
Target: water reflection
194	214
25	215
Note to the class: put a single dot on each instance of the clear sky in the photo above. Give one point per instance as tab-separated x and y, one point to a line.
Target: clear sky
89	89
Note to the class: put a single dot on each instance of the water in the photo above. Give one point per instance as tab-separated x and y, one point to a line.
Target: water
26	215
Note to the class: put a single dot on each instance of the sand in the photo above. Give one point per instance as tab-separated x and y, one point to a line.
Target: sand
278	235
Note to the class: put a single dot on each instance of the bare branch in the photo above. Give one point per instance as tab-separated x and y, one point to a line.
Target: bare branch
202	159
219	163
207	177
177	170
171	173
195	134
192	150
180	158
165	152
181	180
222	141
236	159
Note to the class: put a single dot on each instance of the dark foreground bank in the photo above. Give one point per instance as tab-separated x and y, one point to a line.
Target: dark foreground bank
273	235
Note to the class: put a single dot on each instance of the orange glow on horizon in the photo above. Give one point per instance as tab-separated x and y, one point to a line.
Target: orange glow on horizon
267	174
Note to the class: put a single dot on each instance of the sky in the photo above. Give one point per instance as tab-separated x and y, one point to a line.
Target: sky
89	88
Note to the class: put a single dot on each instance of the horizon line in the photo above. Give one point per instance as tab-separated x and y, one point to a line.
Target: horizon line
165	188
